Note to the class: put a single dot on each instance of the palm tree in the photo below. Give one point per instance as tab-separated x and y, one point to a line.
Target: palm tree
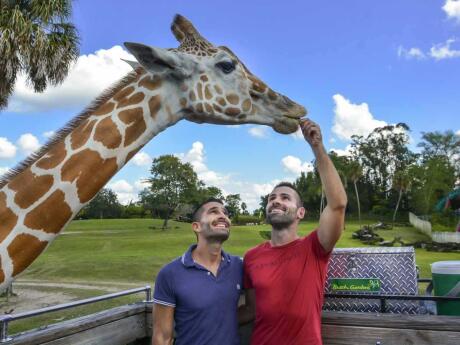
355	171
37	38
401	183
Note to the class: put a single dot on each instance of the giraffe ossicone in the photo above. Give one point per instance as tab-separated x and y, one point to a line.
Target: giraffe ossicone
197	81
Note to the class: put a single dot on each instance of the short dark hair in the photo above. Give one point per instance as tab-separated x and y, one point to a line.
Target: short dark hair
291	186
199	209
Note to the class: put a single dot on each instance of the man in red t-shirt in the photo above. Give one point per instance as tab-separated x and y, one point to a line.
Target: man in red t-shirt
284	278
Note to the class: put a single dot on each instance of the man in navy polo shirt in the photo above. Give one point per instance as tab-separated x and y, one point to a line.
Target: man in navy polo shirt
199	291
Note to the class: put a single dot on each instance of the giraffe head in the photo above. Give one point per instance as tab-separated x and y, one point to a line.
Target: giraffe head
213	85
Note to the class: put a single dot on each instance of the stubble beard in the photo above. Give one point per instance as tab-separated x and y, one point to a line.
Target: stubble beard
282	221
212	236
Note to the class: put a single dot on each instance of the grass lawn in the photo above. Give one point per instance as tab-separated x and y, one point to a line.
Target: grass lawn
134	250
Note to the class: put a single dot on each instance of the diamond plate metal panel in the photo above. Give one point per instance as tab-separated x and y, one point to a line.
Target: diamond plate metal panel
395	267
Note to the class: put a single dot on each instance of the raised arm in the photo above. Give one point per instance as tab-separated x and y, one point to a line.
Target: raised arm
332	219
163	325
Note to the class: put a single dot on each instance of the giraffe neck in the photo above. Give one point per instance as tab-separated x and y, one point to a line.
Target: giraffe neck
39	201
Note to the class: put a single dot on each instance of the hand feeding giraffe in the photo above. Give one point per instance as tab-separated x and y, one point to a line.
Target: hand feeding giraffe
197	81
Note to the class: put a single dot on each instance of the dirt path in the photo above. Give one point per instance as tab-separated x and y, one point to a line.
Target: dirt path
35	294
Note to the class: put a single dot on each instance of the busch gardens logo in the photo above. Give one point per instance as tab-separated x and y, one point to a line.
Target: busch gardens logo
356	284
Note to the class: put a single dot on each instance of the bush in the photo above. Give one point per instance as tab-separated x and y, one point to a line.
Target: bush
246	219
444	221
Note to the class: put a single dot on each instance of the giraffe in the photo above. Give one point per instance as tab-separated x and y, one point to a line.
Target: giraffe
197	81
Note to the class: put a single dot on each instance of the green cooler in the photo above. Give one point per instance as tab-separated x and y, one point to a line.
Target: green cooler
446	282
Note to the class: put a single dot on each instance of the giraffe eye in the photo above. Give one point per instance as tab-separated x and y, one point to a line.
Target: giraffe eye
226	66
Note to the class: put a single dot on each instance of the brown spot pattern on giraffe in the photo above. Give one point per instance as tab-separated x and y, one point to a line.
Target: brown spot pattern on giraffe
134	99
2	274
104	109
246	106
221	101
150	82
233	98
132	153
51	215
199	89
154	105
136	125
24	250
107	133
191	95
207	92
257	85
232	111
8	218
81	134
30	187
123	93
199	108
183	102
204	77
90	171
53	157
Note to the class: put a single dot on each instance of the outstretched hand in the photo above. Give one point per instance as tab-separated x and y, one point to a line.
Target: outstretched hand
311	132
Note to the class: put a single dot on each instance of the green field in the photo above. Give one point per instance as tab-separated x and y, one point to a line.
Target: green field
133	251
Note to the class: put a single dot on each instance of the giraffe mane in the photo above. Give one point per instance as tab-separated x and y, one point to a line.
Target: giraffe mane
70	126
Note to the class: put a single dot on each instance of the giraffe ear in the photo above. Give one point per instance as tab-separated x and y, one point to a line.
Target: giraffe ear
158	60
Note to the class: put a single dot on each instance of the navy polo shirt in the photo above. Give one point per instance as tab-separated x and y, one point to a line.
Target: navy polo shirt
205	306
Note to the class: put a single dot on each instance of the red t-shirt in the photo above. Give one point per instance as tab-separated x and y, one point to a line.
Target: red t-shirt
289	285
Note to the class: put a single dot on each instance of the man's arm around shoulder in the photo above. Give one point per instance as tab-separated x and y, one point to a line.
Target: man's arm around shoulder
247	311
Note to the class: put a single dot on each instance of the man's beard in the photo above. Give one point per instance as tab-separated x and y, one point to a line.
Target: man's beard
212	236
280	221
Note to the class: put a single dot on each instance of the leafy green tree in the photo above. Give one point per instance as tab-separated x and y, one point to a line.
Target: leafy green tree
37	38
104	205
244	209
232	203
433	178
437	144
383	152
172	183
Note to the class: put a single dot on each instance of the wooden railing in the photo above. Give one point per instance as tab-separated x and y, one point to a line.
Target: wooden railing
131	324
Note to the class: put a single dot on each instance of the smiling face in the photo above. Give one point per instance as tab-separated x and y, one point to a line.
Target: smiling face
212	224
214	86
284	208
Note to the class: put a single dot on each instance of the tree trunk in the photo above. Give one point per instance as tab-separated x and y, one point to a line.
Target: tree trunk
165	222
397	205
359	205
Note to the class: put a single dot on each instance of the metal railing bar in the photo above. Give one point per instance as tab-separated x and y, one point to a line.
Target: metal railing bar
63	306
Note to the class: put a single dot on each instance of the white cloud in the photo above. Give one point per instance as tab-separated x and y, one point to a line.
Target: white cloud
7	149
124	190
443	51
142	159
452	9
90	75
353	118
48	134
259	132
28	143
345	152
458	132
412	53
294	165
3	170
141	184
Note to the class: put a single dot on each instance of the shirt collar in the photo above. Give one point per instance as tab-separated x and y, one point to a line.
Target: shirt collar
187	259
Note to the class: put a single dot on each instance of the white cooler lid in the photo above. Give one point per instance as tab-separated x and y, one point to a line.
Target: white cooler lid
446	267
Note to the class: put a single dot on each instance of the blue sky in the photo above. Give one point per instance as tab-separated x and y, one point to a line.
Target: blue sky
354	64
